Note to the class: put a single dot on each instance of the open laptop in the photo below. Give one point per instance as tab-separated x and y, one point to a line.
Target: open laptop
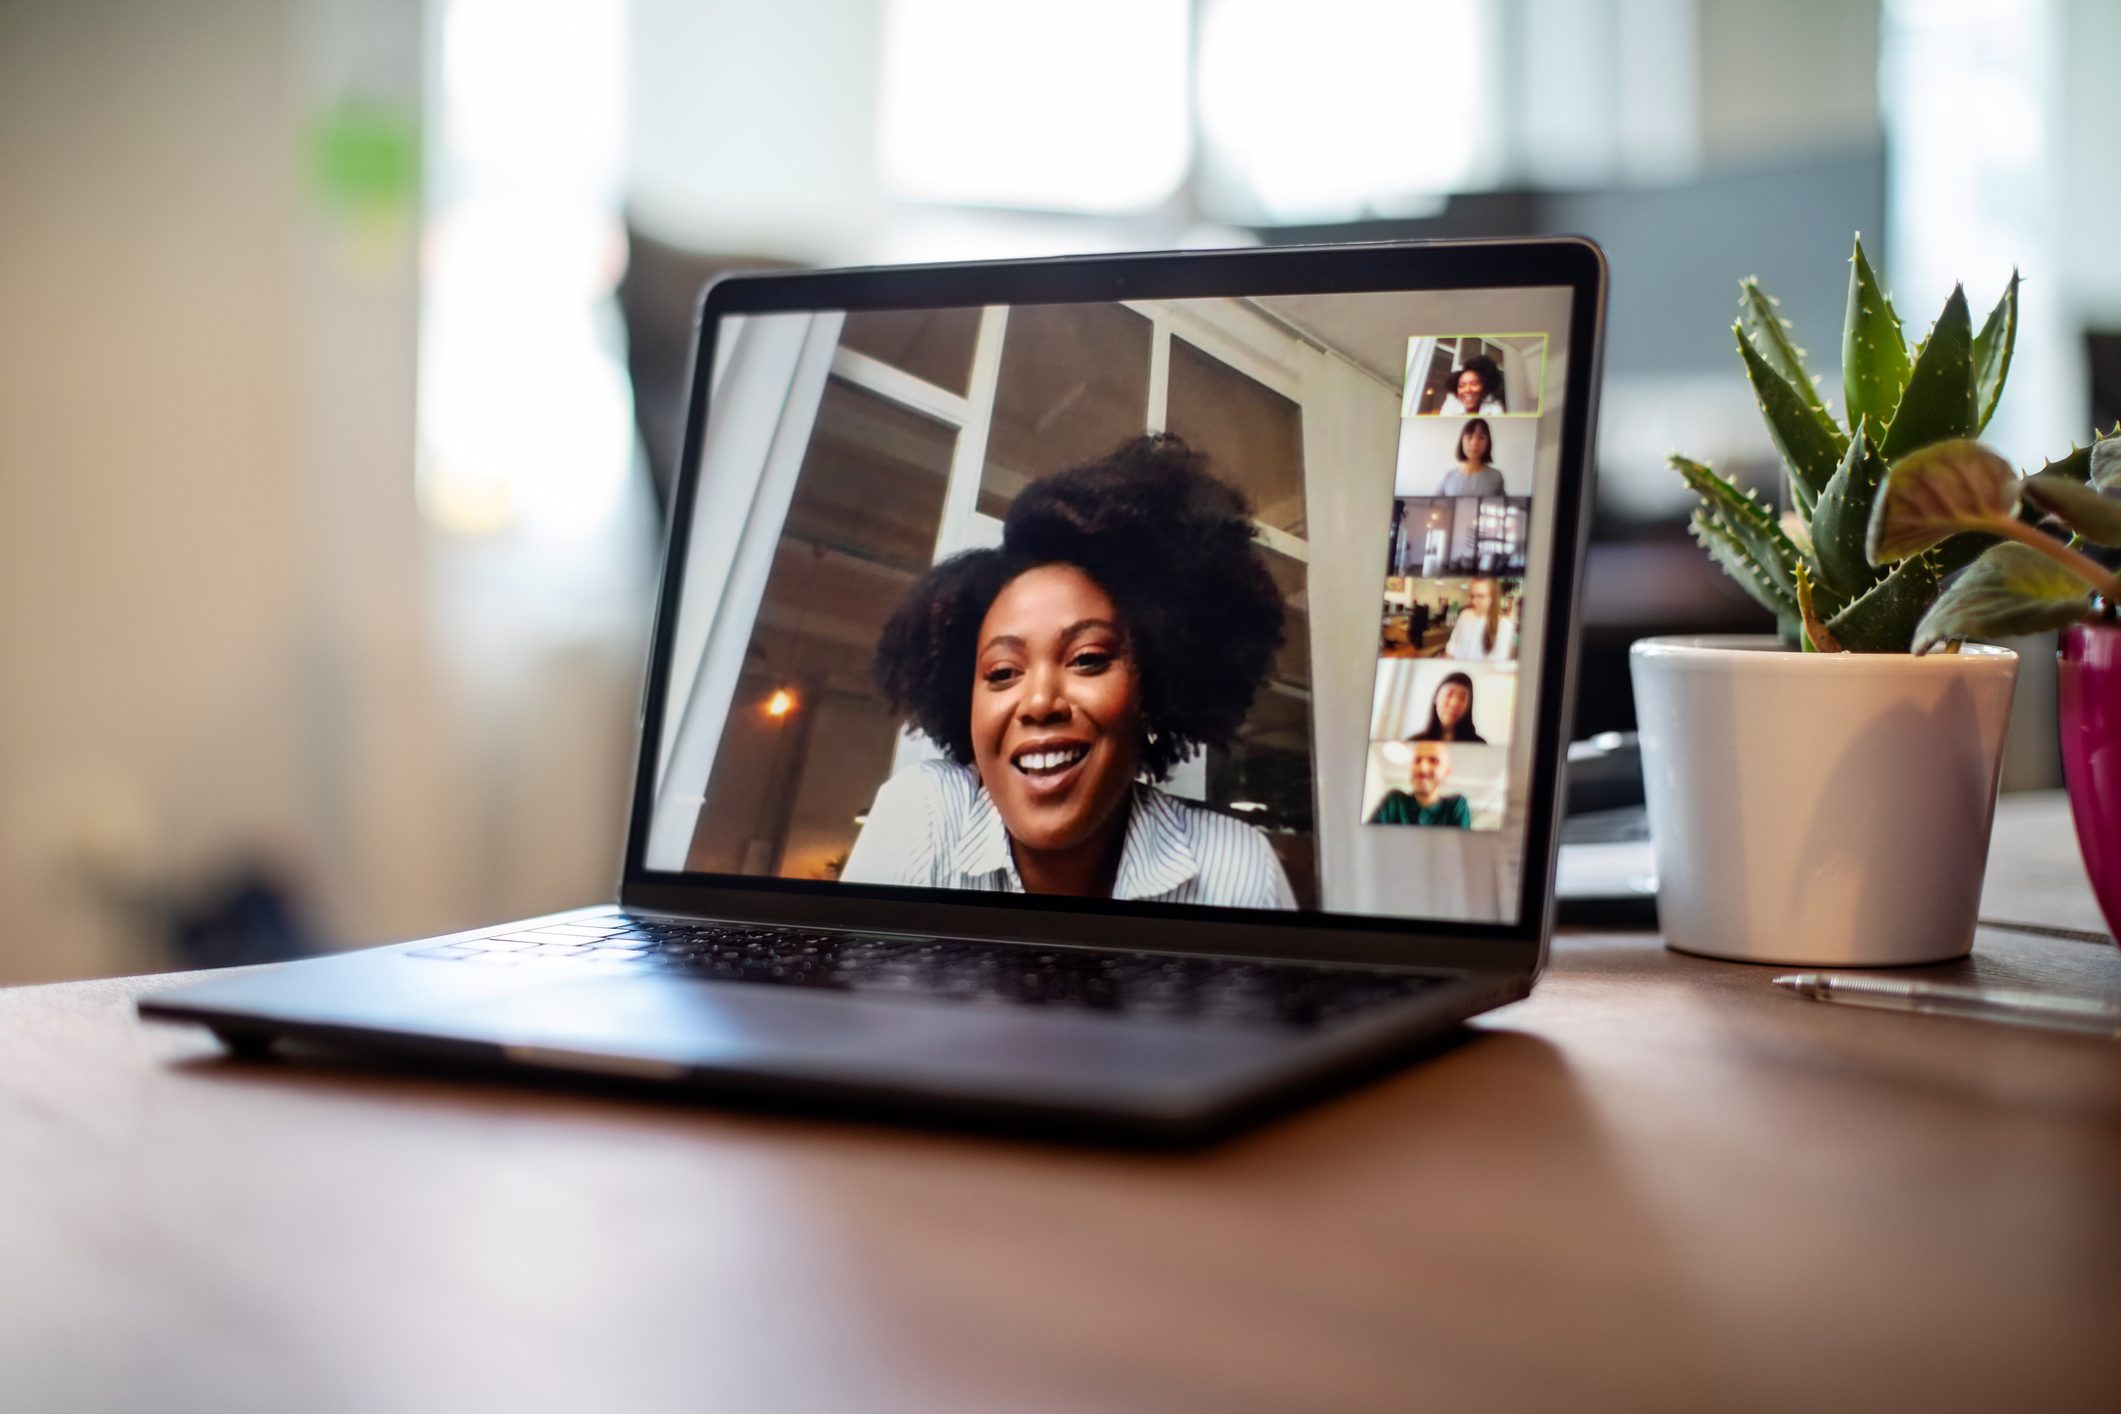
1124	692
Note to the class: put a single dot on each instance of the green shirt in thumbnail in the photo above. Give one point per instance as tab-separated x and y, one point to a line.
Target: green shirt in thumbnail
1399	808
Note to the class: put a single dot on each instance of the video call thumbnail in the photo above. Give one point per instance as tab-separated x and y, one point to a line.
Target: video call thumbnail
1436	537
1433	699
1475	375
1465	456
1435	783
1463	620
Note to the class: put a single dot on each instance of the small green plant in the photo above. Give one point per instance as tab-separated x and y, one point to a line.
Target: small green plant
1810	569
2030	582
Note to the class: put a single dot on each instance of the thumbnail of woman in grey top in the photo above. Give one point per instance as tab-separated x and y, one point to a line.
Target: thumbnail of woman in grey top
1474	475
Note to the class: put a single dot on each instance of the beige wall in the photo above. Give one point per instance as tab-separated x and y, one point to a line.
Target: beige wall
150	532
224	632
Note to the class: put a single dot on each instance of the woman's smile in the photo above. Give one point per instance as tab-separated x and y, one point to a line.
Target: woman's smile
1049	765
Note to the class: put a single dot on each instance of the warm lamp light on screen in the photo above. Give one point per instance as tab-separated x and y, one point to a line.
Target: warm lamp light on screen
781	703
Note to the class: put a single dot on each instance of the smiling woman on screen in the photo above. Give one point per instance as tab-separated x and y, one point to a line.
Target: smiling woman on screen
1126	621
1475	387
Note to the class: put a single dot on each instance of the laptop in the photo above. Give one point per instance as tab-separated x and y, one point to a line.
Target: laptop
1120	694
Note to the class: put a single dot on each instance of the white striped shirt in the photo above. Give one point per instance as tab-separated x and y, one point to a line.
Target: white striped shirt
935	827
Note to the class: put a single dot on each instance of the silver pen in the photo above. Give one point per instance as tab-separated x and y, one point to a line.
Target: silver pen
2009	1005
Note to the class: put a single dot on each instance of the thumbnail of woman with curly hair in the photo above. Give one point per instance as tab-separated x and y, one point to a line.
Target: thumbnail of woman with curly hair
1126	621
1476	387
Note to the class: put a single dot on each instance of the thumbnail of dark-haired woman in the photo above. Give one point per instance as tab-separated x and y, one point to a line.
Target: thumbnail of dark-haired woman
1451	713
1475	473
1126	621
1426	804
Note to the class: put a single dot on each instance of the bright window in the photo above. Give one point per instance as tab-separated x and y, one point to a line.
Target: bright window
1080	107
1340	109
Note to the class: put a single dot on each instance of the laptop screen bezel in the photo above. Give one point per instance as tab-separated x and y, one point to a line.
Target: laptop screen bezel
1572	262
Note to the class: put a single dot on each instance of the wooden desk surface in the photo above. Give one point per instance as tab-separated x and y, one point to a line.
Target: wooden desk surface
1656	1184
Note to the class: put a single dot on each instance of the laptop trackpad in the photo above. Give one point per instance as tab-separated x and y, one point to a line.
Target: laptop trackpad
655	1026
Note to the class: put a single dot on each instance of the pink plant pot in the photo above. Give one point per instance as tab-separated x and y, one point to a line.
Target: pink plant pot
2090	690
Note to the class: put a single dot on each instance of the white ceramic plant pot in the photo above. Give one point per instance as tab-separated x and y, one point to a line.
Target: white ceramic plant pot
1821	809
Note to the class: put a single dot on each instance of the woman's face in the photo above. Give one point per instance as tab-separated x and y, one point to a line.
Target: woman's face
1476	444
1056	708
1452	700
1471	388
1481	597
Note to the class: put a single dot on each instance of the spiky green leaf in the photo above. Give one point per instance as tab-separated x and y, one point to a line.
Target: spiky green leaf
1992	353
1939	492
2011	590
1826	601
1810	443
1799	533
1882	619
2090	513
1874	361
1843	516
2077	465
1739	513
1818	638
1802	499
1939	402
1726	551
1770	334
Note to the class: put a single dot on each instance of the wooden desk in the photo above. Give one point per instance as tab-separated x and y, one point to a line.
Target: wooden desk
1657	1184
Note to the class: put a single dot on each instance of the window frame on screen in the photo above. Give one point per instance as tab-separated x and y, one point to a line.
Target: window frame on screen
1361	939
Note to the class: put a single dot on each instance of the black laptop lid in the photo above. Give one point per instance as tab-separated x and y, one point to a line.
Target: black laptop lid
1209	601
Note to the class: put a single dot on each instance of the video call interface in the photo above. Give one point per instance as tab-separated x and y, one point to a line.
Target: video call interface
1231	602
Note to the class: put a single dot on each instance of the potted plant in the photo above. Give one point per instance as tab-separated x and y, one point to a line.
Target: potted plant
2032	582
1824	795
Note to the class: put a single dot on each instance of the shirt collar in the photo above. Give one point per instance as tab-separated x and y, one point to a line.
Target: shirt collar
1158	854
1156	858
983	847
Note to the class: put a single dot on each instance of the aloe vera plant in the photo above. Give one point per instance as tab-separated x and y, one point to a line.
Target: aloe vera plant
1811	568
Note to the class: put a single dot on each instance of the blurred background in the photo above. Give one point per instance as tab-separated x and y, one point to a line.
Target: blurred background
341	341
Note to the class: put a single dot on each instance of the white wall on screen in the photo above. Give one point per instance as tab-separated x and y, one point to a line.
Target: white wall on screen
756	438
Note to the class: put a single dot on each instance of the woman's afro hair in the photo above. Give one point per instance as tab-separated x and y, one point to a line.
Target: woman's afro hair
1170	544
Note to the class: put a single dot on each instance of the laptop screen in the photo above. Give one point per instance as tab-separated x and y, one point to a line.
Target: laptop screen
1231	603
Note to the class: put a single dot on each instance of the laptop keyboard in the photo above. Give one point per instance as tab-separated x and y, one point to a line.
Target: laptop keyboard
1140	984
